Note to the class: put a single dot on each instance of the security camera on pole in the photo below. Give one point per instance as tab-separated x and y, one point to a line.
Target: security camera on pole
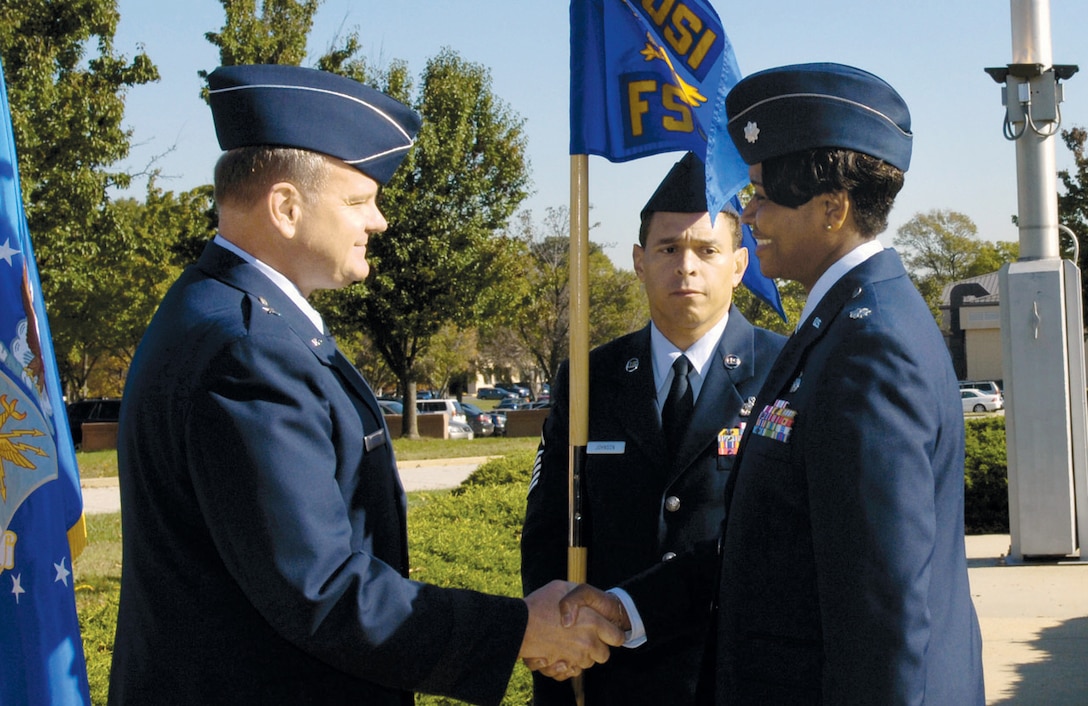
1041	326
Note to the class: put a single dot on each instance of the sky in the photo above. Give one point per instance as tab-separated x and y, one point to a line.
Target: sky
932	51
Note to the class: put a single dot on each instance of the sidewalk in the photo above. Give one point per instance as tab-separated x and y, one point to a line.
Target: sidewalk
1034	616
1034	619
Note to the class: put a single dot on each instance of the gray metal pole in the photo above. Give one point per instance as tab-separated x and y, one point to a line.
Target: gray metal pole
1035	164
1041	330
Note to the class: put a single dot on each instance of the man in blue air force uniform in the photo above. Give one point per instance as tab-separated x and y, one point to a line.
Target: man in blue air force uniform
265	554
646	500
842	576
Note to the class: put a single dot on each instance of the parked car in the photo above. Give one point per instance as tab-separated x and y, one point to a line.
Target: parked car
539	404
522	392
99	409
499	420
494	393
449	406
391	407
987	386
980	401
460	430
479	420
511	403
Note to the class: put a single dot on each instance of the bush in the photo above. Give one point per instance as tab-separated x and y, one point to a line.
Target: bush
986	477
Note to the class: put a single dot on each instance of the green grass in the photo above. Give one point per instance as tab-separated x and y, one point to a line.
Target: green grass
466	538
103	464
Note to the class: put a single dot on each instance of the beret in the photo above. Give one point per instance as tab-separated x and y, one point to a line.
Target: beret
292	106
683	190
805	106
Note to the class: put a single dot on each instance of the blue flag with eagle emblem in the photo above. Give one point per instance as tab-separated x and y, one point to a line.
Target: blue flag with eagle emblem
651	76
41	509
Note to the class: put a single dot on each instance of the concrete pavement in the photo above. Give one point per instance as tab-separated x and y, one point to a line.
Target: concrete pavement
1034	615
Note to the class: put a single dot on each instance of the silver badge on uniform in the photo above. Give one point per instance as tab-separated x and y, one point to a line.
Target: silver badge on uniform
816	322
796	384
746	408
315	341
732	361
632	365
860	313
266	307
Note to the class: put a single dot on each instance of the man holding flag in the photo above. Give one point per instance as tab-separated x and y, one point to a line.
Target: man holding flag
651	491
41	511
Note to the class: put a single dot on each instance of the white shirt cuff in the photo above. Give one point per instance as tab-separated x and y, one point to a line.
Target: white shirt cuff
636	636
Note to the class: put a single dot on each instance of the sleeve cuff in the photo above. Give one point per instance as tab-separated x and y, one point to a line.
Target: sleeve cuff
636	636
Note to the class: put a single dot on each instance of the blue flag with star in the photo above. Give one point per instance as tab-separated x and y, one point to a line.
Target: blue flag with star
651	77
41	509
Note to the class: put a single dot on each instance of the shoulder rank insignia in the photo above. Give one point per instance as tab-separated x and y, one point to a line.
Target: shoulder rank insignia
860	313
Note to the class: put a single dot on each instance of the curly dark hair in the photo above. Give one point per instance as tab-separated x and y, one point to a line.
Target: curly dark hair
793	179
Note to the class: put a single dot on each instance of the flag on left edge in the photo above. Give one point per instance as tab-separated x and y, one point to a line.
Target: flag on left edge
41	507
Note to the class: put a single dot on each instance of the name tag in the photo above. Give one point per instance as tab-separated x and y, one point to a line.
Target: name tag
373	441
606	447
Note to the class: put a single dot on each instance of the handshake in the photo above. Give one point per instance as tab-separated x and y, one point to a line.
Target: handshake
571	628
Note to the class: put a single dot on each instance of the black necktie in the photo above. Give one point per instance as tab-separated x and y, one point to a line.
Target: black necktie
678	405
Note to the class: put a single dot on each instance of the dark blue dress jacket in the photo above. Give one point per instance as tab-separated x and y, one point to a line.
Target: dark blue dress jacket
842	576
641	506
265	554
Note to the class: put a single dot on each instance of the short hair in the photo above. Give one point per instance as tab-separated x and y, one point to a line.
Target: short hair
793	179
644	227
244	175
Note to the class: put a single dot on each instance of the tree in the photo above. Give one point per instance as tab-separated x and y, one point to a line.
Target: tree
67	86
941	247
1073	203
616	303
277	36
443	260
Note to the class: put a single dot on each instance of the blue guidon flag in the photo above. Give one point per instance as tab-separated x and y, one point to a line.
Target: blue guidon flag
651	76
41	510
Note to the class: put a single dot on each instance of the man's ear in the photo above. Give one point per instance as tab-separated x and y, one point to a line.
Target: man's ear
740	260
284	204
636	259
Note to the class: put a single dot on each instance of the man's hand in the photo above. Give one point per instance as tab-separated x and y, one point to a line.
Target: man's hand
559	648
604	604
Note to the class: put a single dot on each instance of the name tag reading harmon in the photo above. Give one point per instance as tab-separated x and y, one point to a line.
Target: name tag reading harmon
373	441
606	447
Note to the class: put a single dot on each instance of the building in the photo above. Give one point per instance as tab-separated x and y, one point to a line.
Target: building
971	323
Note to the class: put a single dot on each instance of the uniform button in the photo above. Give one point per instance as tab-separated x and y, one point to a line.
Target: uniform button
672	503
668	556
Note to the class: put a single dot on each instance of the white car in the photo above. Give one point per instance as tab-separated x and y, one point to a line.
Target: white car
979	401
460	430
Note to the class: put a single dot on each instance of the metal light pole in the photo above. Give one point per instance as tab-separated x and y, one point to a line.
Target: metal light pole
1041	325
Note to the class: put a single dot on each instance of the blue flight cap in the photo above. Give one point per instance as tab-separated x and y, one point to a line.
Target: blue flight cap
683	190
291	106
793	108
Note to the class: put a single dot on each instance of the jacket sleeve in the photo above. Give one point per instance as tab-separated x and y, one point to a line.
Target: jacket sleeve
264	435
872	487
544	536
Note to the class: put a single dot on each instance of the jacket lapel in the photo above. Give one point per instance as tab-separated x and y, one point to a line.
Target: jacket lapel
634	406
